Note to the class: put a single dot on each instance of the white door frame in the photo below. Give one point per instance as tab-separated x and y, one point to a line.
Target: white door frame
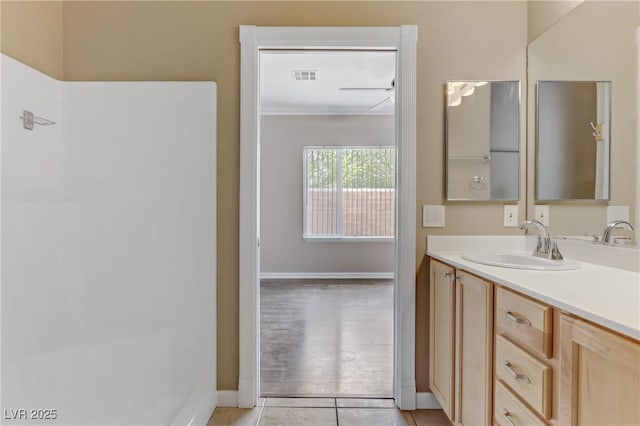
403	40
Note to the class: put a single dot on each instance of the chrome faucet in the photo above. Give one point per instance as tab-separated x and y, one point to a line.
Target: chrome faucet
608	232
546	246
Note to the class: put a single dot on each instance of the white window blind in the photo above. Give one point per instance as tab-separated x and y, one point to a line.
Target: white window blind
349	192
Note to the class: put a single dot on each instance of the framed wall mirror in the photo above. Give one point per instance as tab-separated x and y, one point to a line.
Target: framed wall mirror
573	140
483	141
578	48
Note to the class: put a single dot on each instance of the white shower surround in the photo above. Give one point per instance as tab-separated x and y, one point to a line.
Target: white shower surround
108	291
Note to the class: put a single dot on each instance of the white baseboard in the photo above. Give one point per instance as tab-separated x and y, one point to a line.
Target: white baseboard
326	275
426	401
197	409
205	410
227	398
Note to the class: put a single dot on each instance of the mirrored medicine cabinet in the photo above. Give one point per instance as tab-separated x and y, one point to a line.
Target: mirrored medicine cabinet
482	140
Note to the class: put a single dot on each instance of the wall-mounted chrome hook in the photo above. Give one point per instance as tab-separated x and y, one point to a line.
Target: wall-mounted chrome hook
28	120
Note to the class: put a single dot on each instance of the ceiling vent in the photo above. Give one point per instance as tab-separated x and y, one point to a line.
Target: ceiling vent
301	75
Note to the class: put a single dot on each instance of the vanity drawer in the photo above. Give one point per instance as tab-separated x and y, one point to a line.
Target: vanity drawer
525	321
528	377
509	411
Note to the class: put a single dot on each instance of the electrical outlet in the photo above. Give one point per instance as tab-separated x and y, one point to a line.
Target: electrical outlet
510	215
542	214
432	216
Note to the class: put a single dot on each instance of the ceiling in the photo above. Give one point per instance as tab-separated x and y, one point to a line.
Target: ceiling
281	93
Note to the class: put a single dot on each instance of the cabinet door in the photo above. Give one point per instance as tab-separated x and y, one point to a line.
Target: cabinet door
441	329
474	350
600	376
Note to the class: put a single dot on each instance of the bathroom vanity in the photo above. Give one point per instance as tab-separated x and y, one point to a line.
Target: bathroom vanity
525	347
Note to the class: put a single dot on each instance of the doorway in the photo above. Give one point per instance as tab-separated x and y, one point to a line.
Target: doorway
403	41
327	176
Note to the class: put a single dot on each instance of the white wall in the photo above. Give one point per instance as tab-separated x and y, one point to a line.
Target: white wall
283	249
108	250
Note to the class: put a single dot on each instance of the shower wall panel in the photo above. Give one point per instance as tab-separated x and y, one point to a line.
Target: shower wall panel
108	252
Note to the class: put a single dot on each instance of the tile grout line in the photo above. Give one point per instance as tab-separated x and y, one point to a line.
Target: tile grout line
264	403
413	418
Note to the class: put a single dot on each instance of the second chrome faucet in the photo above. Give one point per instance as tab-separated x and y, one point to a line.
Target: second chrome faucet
608	232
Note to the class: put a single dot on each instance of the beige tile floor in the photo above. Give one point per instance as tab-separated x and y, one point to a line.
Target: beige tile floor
326	412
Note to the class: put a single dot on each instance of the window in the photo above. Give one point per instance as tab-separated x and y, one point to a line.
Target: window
349	192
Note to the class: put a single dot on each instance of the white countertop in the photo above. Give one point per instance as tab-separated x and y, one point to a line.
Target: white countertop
604	295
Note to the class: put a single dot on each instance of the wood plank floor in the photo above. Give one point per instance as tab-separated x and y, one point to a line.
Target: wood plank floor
326	338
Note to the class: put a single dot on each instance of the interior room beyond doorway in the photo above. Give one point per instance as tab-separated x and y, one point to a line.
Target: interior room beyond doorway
327	220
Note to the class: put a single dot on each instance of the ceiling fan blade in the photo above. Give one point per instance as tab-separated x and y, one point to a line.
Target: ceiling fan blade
388	98
365	88
387	89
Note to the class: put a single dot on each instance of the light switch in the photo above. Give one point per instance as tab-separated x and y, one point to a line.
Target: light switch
432	216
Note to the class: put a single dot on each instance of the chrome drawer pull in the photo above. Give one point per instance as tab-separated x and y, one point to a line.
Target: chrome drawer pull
515	374
507	415
517	320
446	274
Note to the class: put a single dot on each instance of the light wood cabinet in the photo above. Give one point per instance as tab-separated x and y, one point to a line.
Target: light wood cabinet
461	344
549	368
525	320
525	362
441	335
600	376
528	377
474	348
510	411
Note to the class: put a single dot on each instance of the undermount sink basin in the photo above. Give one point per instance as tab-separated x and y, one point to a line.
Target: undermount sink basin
521	261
